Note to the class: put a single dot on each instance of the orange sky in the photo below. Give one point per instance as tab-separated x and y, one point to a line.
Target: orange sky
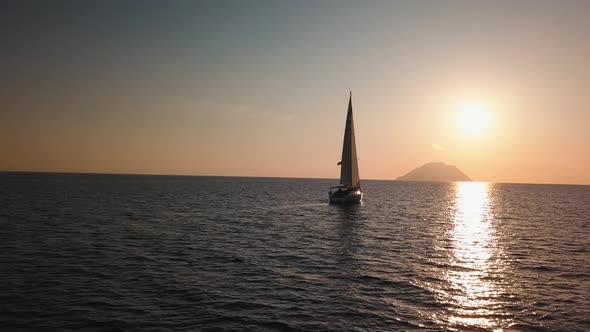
262	90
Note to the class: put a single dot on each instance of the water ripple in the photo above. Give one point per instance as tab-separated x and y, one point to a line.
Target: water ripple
120	253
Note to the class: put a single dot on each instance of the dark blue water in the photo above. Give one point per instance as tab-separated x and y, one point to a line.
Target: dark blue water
135	253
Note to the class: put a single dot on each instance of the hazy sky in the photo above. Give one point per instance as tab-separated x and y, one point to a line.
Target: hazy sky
260	88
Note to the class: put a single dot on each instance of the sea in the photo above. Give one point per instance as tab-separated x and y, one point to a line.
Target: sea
88	252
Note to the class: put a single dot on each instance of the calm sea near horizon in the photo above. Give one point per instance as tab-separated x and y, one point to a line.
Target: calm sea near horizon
180	253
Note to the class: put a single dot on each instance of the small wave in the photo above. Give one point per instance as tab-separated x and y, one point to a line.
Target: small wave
522	327
541	268
243	305
386	283
449	266
575	275
240	322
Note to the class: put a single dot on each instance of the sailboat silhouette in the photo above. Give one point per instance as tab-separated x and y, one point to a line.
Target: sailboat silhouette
349	190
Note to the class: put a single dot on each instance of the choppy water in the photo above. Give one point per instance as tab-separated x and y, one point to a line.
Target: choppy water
108	252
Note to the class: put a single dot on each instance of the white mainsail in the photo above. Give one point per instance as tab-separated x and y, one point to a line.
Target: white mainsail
349	170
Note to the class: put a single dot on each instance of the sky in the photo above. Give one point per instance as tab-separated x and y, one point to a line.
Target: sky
260	88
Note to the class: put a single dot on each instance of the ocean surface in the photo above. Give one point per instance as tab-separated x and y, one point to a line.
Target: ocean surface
174	253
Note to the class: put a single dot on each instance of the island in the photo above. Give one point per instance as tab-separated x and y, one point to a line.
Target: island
435	172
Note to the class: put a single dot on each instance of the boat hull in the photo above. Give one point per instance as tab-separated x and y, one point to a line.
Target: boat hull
350	197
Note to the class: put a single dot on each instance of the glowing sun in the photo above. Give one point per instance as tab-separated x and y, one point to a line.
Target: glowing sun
473	118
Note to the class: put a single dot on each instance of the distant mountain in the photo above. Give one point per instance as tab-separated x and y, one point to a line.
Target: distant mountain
435	172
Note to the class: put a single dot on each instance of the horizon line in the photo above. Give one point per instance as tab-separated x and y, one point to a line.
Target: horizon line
278	177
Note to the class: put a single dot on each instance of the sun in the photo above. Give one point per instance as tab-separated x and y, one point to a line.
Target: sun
473	118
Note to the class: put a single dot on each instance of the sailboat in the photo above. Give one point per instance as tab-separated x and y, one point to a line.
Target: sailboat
349	191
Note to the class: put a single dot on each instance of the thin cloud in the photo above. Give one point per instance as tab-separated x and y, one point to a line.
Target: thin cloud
437	147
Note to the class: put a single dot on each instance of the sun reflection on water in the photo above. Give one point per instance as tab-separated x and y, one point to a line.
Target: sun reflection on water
474	293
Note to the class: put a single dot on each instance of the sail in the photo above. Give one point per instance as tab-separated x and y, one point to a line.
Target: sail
349	170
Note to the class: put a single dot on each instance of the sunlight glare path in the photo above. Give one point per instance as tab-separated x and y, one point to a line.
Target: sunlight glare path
474	271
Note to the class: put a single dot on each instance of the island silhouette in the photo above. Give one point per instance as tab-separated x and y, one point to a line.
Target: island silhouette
435	172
